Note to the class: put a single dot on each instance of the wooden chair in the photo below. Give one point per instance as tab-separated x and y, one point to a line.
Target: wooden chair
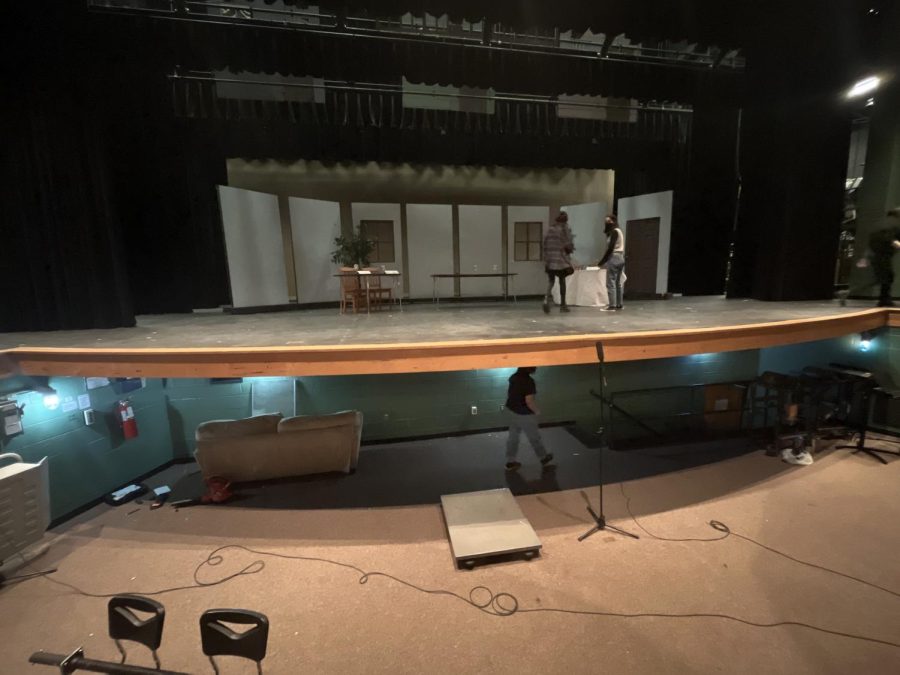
352	291
377	291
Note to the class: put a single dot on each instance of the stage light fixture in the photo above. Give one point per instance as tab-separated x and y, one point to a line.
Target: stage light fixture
864	86
865	341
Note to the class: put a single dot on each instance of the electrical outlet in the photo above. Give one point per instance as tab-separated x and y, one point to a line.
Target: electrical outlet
474	409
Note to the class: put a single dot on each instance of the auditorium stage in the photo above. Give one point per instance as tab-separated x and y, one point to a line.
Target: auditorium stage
423	337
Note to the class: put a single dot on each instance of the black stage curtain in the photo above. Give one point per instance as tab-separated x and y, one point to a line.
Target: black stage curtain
794	147
61	254
166	172
705	205
704	180
353	126
115	209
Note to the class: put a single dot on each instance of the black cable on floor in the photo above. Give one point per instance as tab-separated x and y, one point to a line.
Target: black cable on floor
24	577
480	597
726	532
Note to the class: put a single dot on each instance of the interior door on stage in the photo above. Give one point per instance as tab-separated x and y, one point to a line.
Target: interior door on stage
429	236
314	226
656	207
254	246
641	254
480	250
526	226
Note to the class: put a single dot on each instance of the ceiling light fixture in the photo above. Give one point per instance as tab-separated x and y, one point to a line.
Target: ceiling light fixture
864	86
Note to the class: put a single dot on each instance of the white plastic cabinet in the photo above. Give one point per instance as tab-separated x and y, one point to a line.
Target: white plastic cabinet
24	504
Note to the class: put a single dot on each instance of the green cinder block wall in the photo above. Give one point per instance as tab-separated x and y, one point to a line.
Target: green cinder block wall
420	404
192	401
88	462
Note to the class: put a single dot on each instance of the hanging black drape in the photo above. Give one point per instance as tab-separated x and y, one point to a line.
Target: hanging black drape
364	126
361	59
112	209
705	203
794	146
166	172
61	251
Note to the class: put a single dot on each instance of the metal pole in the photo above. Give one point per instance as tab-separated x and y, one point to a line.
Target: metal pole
76	661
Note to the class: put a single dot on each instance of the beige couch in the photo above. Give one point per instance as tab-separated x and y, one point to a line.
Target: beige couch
269	446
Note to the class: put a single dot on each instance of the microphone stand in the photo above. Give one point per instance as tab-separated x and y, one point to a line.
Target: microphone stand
599	518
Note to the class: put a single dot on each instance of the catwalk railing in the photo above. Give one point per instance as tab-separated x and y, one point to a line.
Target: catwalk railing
428	29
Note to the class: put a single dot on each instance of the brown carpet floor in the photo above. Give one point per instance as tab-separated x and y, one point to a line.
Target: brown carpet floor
841	512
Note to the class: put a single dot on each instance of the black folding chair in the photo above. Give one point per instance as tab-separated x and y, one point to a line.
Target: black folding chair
220	640
124	624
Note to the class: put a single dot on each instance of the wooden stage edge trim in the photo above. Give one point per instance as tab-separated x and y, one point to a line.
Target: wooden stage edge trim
373	359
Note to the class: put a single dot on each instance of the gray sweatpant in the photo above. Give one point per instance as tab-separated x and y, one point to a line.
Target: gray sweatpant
518	424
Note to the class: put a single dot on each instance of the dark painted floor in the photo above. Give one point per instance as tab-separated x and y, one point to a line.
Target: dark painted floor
419	472
423	322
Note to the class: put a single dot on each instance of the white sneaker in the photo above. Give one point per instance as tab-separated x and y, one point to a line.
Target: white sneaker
803	459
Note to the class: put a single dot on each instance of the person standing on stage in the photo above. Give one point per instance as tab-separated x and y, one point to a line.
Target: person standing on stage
556	251
522	413
883	244
614	262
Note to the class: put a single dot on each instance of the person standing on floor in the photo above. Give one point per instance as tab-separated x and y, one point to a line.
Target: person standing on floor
614	262
522	413
883	244
557	249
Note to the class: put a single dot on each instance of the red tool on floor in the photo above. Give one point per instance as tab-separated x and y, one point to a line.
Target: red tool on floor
218	490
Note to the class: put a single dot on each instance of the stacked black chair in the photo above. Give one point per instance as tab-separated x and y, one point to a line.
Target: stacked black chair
124	624
870	389
220	640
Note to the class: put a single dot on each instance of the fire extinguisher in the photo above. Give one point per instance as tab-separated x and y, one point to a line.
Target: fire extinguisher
125	414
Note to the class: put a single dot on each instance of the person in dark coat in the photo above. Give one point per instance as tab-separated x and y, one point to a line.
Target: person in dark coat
883	244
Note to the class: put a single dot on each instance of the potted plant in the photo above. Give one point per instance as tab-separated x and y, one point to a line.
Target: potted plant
352	251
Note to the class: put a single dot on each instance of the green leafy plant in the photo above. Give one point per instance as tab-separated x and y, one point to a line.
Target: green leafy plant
352	250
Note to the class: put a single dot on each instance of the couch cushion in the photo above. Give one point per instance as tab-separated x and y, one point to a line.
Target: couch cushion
261	424
310	422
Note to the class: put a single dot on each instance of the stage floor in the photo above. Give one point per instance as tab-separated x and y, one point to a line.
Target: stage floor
423	322
427	338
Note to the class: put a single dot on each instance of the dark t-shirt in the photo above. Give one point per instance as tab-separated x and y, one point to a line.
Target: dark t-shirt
520	386
881	241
